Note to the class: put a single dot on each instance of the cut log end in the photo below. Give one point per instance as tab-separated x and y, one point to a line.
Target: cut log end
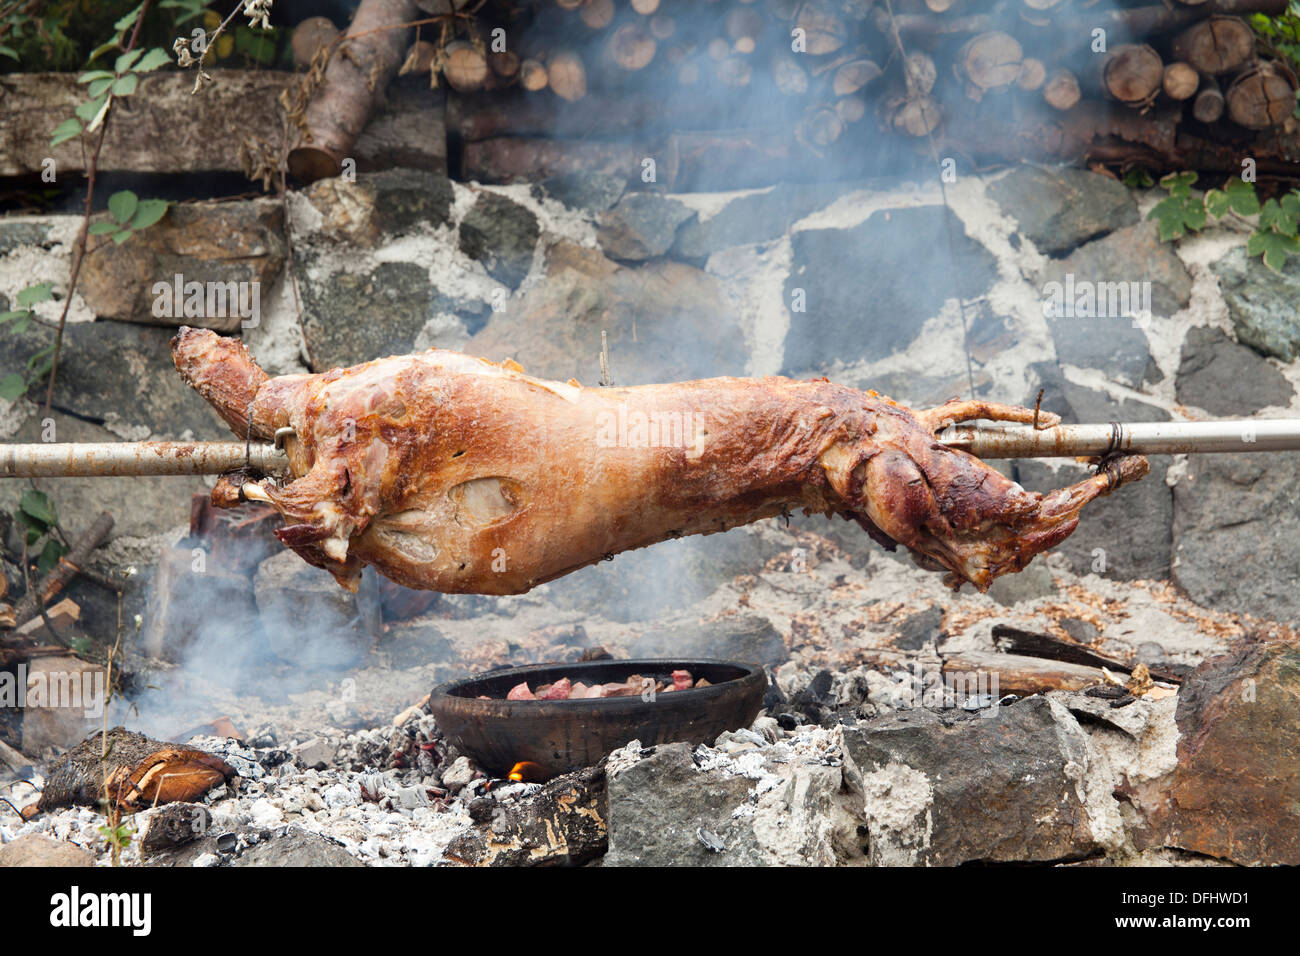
1061	90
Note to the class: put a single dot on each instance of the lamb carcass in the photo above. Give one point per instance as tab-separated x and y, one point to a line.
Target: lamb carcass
457	474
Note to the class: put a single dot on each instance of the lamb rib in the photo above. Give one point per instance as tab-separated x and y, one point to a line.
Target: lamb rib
452	473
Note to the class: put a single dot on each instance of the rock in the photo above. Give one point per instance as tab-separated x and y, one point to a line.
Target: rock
1111	342
172	825
459	774
562	824
591	191
120	374
1236	533
657	806
142	506
869	289
66	697
16	233
943	791
651	312
36	850
920	629
755	217
502	235
236	249
196	607
774	809
309	620
1034	582
295	846
1060	208
1227	379
1126	535
641	226
1261	303
381	205
747	638
651	583
1235	793
315	754
335	307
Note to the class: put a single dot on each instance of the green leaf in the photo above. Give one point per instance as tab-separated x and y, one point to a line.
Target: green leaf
65	131
122	205
1179	184
1176	214
95	75
29	296
102	49
1138	177
150	211
12	387
125	61
1216	203
36	504
128	20
1273	246
50	555
99	87
21	325
152	60
1290	218
1278	217
126	85
11	315
1241	197
102	227
9	52
121	237
90	109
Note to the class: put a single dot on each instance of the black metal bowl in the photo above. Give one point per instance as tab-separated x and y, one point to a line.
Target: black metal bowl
563	735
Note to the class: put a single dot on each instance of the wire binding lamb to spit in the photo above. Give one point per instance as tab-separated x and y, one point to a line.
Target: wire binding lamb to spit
452	473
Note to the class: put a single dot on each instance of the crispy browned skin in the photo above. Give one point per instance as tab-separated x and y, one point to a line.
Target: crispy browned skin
456	474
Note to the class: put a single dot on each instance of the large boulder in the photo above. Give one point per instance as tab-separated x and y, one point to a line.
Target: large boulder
868	290
1235	793
793	804
380	205
1003	786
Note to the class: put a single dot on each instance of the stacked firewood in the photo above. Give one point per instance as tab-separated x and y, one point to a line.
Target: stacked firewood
957	72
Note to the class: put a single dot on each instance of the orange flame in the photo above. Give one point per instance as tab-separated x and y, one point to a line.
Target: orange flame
525	770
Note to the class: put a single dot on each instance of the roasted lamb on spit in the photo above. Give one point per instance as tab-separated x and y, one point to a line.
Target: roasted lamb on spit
457	474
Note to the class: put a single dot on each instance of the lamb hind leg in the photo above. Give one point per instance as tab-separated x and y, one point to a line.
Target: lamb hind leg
971	409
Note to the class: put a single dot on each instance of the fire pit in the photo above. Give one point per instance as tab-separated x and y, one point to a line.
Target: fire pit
563	735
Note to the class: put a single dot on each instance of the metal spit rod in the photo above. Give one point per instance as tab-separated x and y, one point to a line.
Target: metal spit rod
983	441
100	459
1001	440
